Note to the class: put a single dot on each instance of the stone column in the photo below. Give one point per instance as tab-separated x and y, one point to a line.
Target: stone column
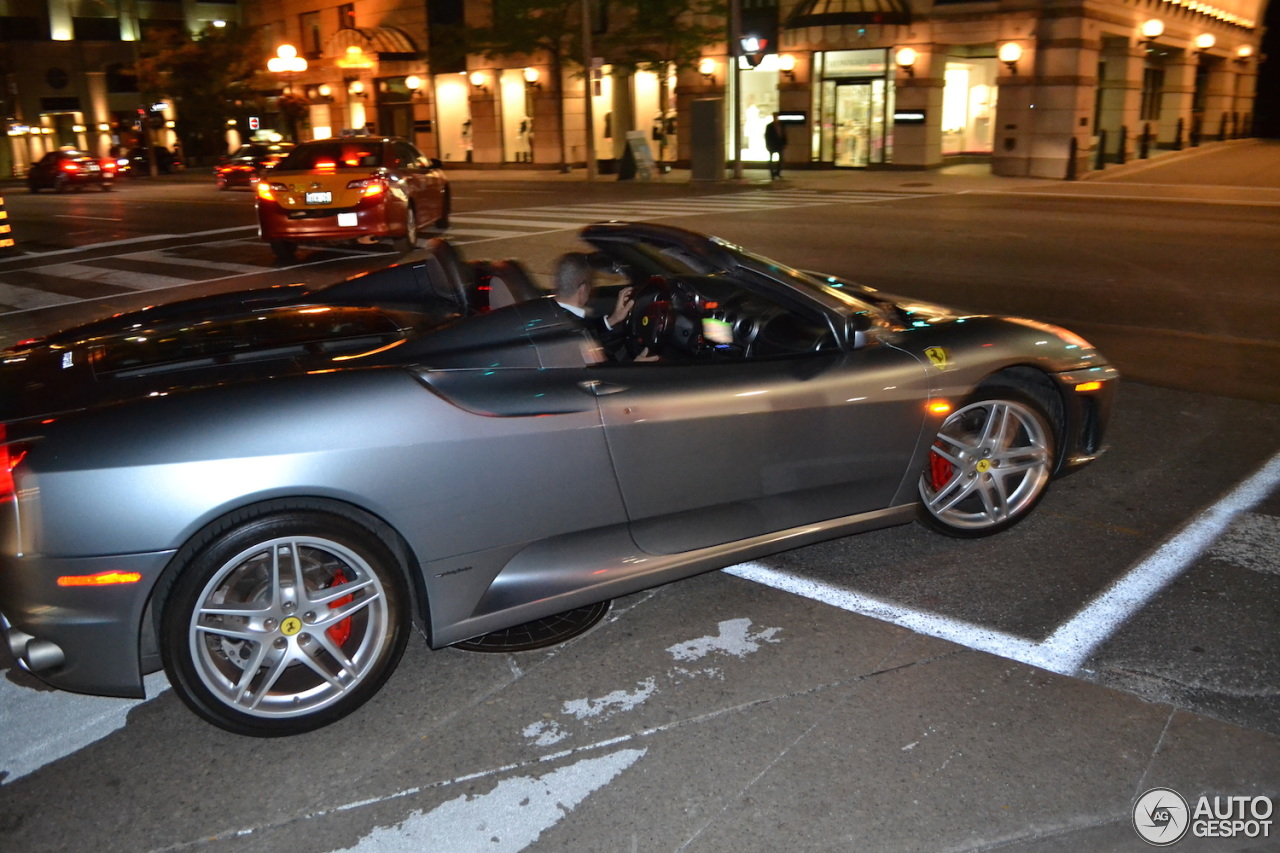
1177	99
1119	94
920	145
1219	98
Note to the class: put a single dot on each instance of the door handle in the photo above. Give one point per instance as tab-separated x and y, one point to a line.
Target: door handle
600	389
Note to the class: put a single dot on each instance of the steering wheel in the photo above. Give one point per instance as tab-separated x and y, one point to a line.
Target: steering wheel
651	318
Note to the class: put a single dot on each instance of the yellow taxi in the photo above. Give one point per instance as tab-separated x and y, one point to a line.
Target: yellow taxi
363	188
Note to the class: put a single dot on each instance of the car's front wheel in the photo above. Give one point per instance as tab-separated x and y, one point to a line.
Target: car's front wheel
989	464
283	622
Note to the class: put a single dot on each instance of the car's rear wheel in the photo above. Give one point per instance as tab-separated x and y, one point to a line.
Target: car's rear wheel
106	186
60	184
285	622
989	464
409	241
284	250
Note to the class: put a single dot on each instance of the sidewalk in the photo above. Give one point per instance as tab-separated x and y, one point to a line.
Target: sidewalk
960	177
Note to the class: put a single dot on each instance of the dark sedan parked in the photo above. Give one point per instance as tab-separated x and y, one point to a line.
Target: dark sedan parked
68	168
263	491
248	163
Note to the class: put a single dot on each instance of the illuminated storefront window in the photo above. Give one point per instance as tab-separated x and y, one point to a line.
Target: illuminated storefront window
969	106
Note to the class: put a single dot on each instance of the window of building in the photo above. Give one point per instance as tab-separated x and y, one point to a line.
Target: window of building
1152	89
96	29
968	106
120	79
309	24
347	16
16	28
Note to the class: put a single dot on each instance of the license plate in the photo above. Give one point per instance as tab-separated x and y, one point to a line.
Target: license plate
319	198
93	167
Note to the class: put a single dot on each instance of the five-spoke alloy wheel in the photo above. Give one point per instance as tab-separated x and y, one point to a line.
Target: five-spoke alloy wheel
285	623
989	464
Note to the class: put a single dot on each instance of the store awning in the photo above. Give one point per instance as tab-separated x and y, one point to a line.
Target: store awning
382	43
836	13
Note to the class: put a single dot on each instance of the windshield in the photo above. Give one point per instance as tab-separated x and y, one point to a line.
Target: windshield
336	155
827	289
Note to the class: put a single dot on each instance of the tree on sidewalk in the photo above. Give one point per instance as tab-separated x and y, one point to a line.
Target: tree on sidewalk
203	74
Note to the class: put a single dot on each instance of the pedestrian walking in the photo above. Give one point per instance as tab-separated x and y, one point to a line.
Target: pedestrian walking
775	141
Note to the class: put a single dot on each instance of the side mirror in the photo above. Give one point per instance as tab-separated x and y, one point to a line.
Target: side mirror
436	164
855	331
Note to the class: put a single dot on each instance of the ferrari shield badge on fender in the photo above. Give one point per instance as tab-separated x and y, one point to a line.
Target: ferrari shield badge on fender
939	356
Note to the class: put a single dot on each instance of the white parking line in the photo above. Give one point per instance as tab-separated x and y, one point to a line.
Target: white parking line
1068	648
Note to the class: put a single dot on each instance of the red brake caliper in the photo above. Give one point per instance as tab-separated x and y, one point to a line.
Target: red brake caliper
340	632
940	470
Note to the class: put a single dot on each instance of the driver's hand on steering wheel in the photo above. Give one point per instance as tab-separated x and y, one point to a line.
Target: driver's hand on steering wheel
621	309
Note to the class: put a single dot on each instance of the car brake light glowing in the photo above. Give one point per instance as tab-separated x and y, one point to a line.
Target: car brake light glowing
326	166
100	579
1088	386
369	188
70	166
264	191
10	458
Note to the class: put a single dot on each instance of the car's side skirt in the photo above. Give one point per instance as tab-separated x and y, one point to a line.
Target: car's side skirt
552	576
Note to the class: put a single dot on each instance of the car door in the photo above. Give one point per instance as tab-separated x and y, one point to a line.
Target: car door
414	170
712	452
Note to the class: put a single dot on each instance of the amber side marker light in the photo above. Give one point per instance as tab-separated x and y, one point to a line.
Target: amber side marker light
100	579
1088	386
940	407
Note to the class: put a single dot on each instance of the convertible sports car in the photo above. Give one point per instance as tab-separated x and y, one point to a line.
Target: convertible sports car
262	492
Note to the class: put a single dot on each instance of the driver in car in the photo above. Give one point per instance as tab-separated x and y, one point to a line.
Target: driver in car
574	286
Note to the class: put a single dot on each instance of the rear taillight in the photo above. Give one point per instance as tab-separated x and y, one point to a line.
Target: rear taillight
266	191
370	188
70	166
10	458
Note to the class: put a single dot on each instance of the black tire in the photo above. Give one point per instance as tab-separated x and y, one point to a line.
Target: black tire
409	241
446	208
107	186
33	188
266	592
59	184
284	251
990	463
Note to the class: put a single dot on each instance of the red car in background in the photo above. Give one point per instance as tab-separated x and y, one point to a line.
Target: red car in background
365	188
69	168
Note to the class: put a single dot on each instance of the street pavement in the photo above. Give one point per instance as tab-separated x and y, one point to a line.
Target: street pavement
882	734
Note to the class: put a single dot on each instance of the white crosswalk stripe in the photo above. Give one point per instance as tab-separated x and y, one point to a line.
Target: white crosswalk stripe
530	221
157	269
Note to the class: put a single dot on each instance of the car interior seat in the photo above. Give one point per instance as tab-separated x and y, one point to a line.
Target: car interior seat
509	283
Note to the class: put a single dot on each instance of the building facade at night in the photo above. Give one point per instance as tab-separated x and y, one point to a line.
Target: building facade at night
65	68
1047	88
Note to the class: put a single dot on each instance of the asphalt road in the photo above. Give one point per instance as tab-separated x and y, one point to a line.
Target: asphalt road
895	690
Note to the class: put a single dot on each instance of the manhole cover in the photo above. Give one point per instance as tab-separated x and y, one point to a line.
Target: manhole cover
547	631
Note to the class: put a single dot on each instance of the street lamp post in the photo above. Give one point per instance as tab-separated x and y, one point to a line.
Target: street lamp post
287	62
